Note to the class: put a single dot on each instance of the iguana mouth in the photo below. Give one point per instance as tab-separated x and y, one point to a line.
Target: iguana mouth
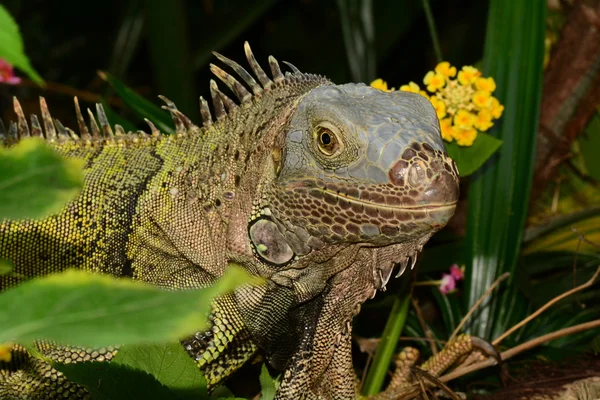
355	200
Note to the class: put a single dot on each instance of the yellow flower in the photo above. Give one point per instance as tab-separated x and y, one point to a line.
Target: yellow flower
411	87
464	136
446	128
496	108
5	352
468	75
440	107
464	119
381	85
444	68
483	121
463	101
486	84
481	99
434	81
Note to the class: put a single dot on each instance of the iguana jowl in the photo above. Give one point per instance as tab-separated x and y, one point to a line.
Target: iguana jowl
320	188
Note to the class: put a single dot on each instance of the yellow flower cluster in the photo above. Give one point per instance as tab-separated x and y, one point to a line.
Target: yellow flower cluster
463	102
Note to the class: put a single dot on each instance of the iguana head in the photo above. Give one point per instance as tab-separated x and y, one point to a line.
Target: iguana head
357	165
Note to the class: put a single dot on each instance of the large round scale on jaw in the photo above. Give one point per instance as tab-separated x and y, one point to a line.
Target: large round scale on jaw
269	243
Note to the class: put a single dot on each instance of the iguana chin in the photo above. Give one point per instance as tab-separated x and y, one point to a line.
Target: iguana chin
322	189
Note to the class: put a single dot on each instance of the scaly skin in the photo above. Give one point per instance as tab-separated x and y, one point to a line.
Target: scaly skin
321	189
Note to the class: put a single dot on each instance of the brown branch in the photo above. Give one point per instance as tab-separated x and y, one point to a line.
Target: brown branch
521	348
571	90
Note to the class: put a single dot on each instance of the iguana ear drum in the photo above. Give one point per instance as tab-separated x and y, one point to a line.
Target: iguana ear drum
268	242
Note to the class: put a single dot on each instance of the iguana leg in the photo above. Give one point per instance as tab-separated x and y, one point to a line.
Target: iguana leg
402	378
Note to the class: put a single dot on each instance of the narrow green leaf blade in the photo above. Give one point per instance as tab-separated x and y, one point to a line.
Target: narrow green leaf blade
11	46
469	159
169	364
82	309
35	181
499	192
141	106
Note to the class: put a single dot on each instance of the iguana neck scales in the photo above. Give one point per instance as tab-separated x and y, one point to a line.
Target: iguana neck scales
322	189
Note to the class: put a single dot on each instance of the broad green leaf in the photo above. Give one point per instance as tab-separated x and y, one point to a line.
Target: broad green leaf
268	385
83	309
112	381
35	181
141	106
169	364
11	46
469	159
499	192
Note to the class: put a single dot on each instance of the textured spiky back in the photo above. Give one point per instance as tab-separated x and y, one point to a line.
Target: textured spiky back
99	130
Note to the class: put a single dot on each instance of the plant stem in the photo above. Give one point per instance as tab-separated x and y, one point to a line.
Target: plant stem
432	31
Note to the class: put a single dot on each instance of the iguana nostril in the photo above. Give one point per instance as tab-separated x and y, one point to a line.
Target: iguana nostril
417	175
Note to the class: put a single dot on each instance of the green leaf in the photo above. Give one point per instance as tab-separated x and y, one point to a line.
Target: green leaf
389	340
499	193
590	146
112	381
141	106
268	385
35	181
169	364
469	159
83	309
11	46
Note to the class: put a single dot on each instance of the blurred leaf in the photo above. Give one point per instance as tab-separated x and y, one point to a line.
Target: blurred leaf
11	46
170	53
35	181
169	364
141	106
590	147
219	34
499	192
359	37
570	238
112	381
268	385
127	38
469	159
83	309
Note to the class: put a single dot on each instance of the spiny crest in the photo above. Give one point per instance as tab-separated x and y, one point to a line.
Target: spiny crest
99	128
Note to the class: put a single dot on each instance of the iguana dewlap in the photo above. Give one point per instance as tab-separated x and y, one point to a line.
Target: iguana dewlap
322	189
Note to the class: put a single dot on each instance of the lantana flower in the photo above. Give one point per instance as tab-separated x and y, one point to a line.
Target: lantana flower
448	282
462	100
381	85
7	74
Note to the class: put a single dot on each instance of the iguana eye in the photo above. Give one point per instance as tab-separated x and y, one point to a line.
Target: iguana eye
327	141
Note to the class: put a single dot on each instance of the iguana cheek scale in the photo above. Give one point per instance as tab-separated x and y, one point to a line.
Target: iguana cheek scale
322	189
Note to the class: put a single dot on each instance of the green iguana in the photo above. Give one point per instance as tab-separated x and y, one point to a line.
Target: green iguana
322	189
